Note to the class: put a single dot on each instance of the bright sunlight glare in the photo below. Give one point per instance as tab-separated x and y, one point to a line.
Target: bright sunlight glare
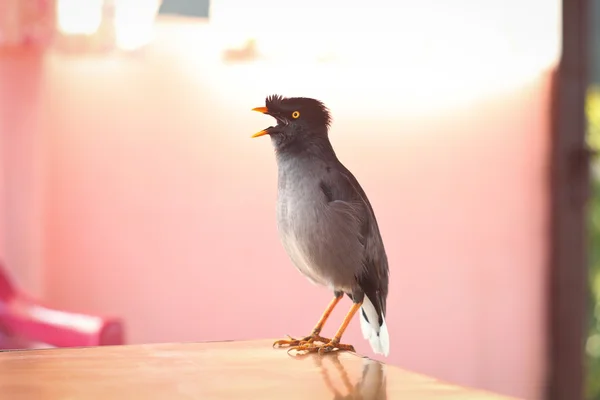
133	19
134	22
432	54
77	17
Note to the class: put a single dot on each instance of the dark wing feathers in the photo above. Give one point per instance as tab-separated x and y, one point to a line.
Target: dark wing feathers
346	195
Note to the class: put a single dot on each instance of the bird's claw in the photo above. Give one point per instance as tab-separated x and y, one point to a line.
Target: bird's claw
291	342
326	347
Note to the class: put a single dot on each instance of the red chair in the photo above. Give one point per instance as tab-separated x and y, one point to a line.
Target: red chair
26	323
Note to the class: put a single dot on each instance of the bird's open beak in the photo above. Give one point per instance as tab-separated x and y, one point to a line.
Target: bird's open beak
263	110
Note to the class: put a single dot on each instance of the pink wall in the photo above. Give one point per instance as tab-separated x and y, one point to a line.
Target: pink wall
22	135
159	208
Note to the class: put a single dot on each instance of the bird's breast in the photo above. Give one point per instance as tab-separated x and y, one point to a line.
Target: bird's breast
298	204
298	214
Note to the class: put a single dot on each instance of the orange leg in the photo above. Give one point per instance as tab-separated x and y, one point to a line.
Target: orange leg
334	344
314	336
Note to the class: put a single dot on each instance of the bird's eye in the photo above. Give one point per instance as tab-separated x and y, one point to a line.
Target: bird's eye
296	114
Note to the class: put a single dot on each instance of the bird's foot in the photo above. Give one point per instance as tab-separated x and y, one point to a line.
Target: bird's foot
326	347
291	342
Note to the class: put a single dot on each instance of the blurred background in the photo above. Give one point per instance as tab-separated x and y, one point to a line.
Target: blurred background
130	187
593	137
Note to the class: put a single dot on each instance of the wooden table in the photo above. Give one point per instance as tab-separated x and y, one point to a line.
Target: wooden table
218	370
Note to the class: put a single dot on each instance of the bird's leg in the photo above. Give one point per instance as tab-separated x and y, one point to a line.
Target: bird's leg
314	336
334	344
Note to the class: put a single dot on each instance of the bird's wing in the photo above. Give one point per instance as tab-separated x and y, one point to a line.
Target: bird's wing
350	202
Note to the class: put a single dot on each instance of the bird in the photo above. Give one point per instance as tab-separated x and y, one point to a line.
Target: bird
326	224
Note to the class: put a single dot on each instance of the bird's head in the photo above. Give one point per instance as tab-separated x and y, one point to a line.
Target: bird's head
295	116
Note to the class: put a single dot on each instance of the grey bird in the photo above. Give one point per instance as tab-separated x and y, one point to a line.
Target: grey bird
326	223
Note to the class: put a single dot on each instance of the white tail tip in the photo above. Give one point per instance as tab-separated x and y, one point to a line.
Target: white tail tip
377	336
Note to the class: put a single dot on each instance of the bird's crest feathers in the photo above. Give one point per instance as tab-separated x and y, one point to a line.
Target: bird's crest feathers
277	102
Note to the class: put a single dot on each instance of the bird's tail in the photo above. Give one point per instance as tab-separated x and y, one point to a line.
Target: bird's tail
376	334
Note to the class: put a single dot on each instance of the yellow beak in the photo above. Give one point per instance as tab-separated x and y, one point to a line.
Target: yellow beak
263	110
261	133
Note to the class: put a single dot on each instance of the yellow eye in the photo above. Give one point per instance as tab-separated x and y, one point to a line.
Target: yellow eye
295	114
